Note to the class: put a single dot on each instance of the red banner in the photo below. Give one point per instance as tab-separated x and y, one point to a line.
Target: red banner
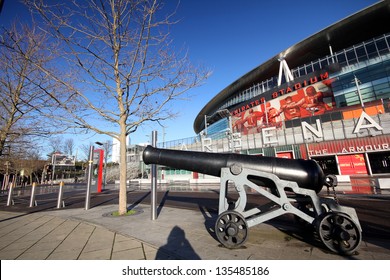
352	164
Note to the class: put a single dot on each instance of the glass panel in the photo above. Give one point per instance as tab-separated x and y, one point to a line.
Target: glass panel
324	62
351	56
382	46
361	53
380	162
340	101
341	59
371	50
382	90
309	69
328	164
367	94
388	40
302	71
316	66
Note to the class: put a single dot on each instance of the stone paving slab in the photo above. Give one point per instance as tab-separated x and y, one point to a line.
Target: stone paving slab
78	234
41	236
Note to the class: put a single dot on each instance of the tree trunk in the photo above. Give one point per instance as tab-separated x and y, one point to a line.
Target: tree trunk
123	171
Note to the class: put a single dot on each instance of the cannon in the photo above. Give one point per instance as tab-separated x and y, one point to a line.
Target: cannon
290	185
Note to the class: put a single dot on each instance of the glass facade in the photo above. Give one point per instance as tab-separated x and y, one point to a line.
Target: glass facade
373	81
368	61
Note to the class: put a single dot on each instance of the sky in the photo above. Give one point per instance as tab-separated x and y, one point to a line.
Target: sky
230	38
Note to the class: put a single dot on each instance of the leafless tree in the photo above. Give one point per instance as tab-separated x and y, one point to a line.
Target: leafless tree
123	70
113	172
21	97
85	150
55	144
68	146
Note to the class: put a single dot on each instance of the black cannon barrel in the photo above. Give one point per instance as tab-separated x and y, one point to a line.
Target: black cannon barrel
306	173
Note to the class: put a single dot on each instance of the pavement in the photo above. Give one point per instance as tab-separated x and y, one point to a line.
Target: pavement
176	234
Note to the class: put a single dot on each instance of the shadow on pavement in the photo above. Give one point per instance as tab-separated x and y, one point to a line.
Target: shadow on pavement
177	242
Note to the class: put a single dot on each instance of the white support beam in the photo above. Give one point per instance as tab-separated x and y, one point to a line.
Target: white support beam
283	67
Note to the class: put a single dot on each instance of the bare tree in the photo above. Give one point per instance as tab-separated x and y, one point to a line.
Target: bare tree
123	70
55	144
68	147
85	148
21	97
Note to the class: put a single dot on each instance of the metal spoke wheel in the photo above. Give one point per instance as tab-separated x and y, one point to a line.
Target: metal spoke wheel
339	233
231	229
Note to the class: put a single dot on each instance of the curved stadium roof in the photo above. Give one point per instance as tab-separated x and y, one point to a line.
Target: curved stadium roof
363	25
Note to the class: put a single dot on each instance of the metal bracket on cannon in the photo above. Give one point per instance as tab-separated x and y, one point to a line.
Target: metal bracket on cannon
337	226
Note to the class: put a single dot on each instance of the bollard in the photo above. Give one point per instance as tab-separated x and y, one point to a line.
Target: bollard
10	192
89	180
60	193
32	198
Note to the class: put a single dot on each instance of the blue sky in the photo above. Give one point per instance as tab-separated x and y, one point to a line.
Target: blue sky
231	38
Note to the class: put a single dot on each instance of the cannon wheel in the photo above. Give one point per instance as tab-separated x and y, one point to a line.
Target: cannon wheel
231	229
339	233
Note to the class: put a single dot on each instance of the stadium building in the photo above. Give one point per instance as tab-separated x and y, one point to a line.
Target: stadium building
325	98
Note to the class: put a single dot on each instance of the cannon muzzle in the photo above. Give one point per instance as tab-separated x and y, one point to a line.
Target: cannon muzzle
306	173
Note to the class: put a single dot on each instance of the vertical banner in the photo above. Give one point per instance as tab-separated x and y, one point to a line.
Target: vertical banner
98	156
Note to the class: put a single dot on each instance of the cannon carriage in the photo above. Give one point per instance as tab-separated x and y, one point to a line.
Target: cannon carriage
291	186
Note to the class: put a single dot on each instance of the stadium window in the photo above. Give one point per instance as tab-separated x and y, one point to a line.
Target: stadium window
340	101
364	76
328	164
309	68
371	50
316	66
352	98
351	56
367	94
383	82
295	73
387	38
379	162
361	53
376	72
382	46
341	59
382	91
324	62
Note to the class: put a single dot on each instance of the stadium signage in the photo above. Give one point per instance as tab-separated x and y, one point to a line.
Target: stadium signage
282	91
302	84
353	148
310	131
249	105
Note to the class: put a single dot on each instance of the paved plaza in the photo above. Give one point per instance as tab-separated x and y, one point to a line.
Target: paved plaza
94	234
